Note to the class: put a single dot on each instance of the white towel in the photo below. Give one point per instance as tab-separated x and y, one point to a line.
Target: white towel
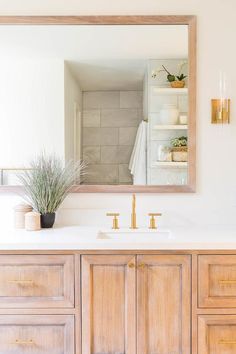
138	160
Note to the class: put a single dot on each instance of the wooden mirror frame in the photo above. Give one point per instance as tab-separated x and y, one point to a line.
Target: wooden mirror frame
131	20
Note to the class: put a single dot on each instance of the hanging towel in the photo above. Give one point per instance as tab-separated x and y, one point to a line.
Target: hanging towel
138	160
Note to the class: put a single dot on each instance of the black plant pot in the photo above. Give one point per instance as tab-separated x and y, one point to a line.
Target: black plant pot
47	220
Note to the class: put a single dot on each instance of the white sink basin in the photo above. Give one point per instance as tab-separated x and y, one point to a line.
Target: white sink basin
136	235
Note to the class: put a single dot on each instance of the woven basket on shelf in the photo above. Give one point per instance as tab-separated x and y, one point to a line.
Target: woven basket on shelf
180	154
177	84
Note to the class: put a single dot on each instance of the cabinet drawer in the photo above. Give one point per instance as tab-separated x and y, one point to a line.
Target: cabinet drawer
36	281
217	281
216	334
41	334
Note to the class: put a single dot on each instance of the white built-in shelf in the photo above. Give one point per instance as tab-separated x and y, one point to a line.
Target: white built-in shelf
169	91
170	127
171	164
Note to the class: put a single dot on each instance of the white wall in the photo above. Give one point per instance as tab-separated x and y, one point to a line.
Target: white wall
215	200
31	96
73	96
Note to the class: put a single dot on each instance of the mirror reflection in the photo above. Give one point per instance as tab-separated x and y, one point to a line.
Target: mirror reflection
114	96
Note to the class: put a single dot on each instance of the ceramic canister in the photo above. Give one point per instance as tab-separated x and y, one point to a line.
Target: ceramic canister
20	211
169	114
32	221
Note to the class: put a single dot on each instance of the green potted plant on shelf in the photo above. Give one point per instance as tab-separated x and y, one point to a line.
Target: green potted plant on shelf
179	149
47	183
177	80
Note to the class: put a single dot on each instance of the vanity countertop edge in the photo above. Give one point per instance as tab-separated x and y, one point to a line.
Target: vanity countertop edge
85	238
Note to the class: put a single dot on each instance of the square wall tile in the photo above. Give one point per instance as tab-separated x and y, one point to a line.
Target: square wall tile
91	136
109	154
124	153
109	136
127	136
102	174
124	174
120	117
101	99
91	118
92	154
131	99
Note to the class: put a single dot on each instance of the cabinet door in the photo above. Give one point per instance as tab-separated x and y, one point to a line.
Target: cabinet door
163	304
217	334
36	334
108	304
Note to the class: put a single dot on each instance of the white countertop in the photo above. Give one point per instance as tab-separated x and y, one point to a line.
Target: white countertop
85	238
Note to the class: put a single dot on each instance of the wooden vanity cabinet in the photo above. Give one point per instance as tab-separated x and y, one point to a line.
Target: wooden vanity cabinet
117	302
136	304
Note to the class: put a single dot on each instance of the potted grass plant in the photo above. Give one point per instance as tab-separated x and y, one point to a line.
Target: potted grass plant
47	183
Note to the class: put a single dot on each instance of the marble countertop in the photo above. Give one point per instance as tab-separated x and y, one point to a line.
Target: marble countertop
86	238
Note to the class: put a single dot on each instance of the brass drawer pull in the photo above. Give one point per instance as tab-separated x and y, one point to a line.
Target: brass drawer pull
23	342
222	341
233	281
22	282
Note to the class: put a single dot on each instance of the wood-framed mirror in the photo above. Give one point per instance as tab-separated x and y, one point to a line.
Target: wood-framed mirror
116	91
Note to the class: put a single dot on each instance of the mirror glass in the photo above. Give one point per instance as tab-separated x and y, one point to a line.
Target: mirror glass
115	96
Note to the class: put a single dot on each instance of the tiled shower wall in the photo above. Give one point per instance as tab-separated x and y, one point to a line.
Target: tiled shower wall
110	122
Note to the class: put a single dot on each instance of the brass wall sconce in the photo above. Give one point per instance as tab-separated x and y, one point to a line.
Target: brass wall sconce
220	111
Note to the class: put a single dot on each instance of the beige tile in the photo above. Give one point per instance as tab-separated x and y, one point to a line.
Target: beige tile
120	117
109	136
91	118
127	136
124	153
91	136
101	99
91	154
131	99
124	174
109	154
102	174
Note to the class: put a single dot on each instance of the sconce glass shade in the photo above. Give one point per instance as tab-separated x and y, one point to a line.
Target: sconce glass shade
220	111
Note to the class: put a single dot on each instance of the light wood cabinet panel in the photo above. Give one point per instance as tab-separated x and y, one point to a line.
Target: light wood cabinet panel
217	281
163	307
41	334
217	334
32	281
108	304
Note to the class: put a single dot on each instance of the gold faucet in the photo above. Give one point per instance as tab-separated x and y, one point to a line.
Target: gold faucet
133	215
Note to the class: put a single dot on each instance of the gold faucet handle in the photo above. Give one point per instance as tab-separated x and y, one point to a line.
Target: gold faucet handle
115	221
153	220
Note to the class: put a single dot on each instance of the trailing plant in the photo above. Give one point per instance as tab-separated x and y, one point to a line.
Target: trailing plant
171	77
48	182
180	141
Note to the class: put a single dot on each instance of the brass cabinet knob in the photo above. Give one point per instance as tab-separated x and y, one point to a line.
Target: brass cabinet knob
115	221
152	224
131	265
141	265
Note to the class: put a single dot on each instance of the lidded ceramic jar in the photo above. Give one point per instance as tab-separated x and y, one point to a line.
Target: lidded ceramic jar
169	114
20	211
32	221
